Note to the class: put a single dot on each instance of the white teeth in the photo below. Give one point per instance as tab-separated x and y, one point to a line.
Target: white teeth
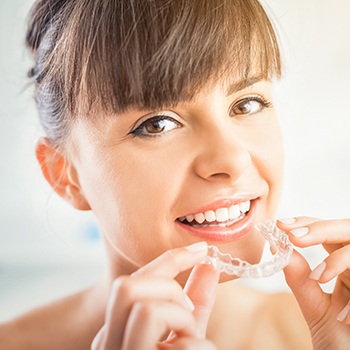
210	216
244	207
189	218
199	218
221	214
234	212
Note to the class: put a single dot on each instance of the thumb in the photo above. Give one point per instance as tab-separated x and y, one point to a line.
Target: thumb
201	288
312	300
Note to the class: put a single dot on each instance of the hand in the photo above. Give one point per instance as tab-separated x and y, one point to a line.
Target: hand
149	305
327	315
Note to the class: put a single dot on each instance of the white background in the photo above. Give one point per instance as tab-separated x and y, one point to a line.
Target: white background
48	249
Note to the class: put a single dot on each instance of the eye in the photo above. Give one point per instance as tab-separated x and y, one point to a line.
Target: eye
249	105
156	126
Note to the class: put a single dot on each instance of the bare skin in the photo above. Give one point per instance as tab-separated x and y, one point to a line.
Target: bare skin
198	157
233	317
256	322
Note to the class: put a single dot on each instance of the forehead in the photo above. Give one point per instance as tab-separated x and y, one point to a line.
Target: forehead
232	85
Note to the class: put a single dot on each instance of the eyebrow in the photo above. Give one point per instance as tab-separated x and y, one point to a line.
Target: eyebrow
236	86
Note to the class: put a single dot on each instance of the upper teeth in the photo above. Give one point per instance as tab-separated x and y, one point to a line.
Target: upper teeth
220	214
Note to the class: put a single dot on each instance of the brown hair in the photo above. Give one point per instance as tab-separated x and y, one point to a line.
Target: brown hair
115	54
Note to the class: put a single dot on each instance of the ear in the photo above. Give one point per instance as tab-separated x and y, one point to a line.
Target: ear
60	174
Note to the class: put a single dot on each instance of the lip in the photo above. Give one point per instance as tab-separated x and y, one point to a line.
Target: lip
217	234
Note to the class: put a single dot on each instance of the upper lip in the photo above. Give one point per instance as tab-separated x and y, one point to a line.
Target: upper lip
223	203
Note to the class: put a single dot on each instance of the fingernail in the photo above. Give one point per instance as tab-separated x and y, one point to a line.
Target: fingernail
287	221
197	247
97	339
94	344
299	232
189	302
318	271
343	314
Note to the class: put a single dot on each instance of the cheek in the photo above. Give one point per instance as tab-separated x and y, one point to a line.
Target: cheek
132	197
269	160
149	186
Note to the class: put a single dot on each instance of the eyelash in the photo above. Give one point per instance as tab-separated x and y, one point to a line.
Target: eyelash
257	98
139	131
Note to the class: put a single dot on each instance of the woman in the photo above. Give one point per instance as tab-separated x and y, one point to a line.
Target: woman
159	118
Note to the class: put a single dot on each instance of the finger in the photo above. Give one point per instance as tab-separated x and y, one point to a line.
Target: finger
201	288
149	320
344	315
126	291
169	264
174	261
304	232
332	266
300	221
312	300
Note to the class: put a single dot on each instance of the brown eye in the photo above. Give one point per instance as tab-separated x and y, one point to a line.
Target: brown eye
156	126
249	105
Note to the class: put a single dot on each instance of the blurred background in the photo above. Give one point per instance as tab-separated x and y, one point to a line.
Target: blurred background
48	249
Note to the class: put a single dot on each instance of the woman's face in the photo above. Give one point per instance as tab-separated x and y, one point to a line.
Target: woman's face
152	177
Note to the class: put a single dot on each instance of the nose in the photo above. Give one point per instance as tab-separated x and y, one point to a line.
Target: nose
222	155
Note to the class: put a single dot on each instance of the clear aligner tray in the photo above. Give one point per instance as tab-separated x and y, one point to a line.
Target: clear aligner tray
279	243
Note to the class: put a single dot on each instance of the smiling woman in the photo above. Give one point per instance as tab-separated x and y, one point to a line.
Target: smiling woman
218	160
159	117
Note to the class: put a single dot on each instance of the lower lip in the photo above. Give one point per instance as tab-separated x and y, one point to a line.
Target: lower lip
218	234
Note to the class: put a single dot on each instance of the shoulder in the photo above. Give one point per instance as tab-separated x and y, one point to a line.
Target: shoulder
57	325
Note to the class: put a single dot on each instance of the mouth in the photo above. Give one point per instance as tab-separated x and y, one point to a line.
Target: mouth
222	217
223	224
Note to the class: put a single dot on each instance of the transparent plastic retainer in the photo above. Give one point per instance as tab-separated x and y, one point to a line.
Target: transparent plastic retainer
279	243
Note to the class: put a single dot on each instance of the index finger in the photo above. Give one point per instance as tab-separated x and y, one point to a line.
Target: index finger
304	232
201	287
174	261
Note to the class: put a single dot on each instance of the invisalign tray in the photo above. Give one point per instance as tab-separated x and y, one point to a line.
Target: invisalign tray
279	243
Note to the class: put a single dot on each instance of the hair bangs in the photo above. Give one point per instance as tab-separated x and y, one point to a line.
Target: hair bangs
115	55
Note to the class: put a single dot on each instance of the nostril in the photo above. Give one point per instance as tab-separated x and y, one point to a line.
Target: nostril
220	176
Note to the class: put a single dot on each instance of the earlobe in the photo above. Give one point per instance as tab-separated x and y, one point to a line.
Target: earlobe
60	174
